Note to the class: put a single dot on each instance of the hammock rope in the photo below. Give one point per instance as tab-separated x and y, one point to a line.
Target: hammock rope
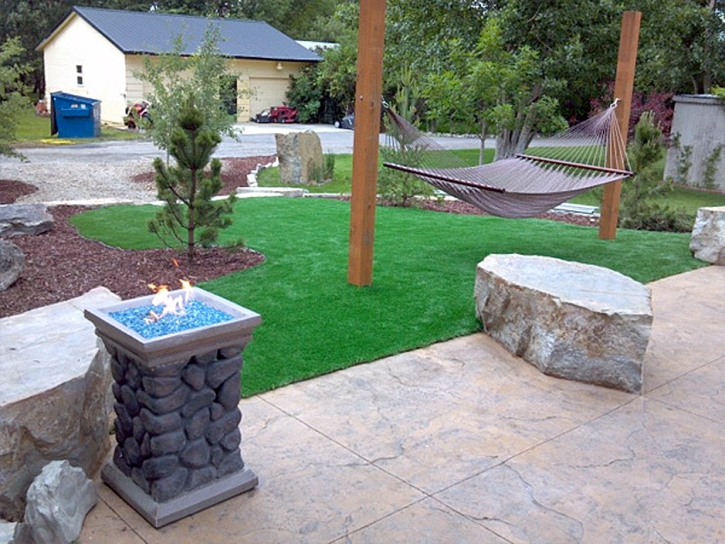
587	155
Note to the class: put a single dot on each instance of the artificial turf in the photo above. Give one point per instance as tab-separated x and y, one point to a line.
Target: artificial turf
424	273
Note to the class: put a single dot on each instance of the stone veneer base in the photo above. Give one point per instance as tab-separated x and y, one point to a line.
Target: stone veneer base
160	514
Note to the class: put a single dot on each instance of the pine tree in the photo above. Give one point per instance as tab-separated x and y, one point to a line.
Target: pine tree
189	215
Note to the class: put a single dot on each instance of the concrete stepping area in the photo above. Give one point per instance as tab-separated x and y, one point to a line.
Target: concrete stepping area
463	442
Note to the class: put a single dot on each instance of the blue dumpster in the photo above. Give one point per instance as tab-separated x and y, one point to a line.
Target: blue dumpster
75	116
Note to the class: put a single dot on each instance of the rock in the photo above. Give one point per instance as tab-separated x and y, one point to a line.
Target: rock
708	235
300	157
570	320
18	219
7	531
58	501
12	260
55	401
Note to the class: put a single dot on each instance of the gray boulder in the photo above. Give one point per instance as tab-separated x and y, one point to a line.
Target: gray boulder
708	235
570	320
16	219
55	399
57	503
300	157
12	261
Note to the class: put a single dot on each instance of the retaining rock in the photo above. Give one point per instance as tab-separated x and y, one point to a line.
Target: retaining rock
58	501
570	320
12	260
708	235
16	219
55	402
300	157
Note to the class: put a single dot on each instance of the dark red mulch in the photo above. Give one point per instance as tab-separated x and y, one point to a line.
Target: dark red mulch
234	172
60	265
11	190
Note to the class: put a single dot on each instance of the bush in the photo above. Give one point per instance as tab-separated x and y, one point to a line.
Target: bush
640	208
398	188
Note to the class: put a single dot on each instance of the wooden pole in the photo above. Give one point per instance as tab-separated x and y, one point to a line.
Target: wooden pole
628	44
368	98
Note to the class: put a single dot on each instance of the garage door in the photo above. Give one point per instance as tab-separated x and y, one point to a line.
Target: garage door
267	92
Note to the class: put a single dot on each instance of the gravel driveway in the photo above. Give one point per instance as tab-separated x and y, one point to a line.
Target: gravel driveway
102	172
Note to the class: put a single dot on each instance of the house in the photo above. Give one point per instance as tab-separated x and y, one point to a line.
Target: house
97	53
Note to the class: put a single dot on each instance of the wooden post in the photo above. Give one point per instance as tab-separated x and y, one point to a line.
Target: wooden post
628	44
368	98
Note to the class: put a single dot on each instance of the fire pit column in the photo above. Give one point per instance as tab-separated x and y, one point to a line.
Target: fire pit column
177	426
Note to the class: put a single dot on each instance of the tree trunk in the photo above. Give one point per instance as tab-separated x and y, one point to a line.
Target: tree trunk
484	129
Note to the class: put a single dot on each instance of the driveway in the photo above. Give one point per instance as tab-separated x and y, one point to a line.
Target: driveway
253	140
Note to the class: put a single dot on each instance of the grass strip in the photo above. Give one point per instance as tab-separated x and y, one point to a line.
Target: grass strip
424	272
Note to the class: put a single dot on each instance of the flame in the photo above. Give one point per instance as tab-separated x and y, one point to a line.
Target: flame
172	305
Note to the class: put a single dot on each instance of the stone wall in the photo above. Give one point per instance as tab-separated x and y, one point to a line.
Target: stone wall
177	424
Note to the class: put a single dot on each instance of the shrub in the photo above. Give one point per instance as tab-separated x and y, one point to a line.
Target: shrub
398	188
639	206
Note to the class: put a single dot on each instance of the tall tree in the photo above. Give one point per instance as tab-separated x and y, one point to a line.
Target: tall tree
176	79
11	93
504	92
682	45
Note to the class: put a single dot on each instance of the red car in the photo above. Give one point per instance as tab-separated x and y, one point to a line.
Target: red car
277	114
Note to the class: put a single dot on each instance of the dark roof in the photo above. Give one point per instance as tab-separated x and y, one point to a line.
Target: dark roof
155	33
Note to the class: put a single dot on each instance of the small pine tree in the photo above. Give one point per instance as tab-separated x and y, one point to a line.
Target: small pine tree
189	215
642	205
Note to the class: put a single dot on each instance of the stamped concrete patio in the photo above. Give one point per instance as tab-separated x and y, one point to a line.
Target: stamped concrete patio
461	442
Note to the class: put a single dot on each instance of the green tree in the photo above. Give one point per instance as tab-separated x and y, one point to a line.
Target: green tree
325	92
490	89
12	89
682	45
189	216
175	79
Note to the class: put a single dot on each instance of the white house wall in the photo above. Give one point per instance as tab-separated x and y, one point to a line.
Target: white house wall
102	65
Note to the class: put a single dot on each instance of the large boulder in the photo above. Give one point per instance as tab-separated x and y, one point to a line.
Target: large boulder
55	400
570	320
708	235
300	157
16	219
12	260
58	501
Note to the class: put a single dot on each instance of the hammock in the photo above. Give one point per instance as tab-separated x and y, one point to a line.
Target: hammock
587	155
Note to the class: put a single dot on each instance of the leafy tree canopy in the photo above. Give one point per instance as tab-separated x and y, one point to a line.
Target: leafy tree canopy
11	93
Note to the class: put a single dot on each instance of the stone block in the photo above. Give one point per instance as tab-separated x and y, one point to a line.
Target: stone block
12	261
570	320
300	157
17	219
58	407
708	235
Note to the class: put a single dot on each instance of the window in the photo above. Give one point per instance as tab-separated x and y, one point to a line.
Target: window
79	74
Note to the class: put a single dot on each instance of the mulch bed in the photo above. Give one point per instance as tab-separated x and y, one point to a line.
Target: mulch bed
61	264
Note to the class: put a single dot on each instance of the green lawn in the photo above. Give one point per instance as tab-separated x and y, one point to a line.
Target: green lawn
424	272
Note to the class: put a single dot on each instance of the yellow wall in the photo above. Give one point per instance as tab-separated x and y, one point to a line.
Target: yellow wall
258	82
78	44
